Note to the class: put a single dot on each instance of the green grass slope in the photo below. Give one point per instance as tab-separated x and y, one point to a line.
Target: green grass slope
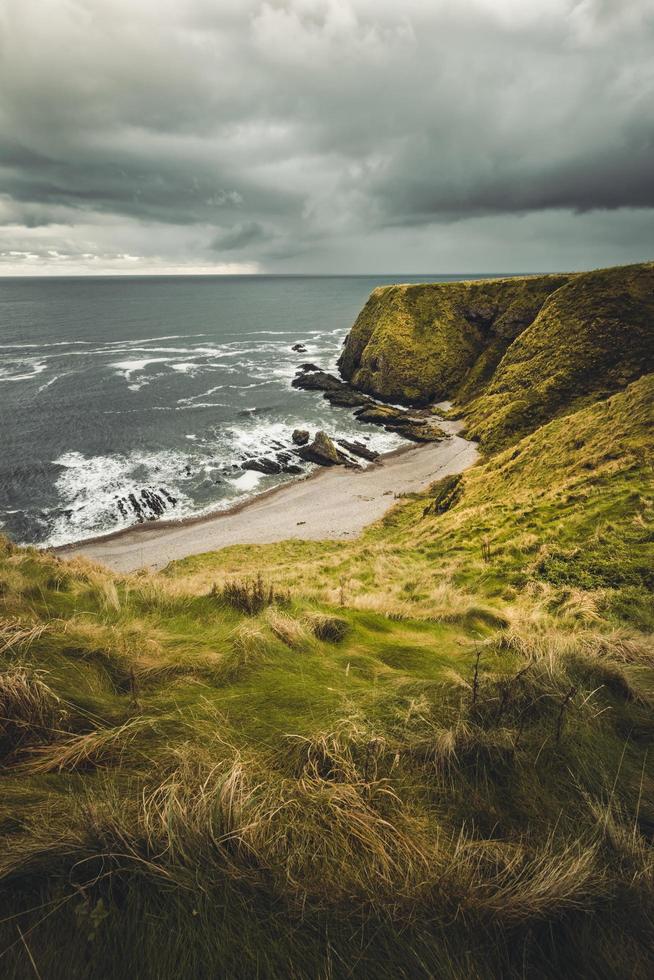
423	753
592	337
564	517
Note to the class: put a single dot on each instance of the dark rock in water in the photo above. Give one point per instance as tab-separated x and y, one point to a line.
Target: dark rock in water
347	398
262	465
323	451
171	500
317	381
136	507
299	348
148	505
360	449
153	504
312	378
300	437
308	366
292	468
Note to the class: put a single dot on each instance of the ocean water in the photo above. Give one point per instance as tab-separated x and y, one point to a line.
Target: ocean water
156	389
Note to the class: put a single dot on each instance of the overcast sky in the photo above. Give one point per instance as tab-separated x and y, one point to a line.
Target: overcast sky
325	135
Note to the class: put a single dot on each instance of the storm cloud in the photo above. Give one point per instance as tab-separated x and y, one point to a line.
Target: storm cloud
325	135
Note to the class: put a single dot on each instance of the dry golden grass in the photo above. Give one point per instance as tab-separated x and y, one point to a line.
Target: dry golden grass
100	747
17	635
29	708
290	631
249	649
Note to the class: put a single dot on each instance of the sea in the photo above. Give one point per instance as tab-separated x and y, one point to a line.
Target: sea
126	399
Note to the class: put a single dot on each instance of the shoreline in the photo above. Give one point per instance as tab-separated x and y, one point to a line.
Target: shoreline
348	500
191	519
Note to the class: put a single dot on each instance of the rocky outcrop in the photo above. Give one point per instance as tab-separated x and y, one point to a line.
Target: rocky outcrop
407	424
146	504
317	381
347	397
262	465
356	448
324	452
271	467
300	437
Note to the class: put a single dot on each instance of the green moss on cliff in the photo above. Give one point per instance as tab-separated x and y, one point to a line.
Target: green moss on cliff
592	337
513	352
417	343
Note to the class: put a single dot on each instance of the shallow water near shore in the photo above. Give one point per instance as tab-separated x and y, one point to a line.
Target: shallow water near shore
156	389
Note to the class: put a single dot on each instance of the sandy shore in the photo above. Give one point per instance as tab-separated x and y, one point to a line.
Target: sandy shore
331	503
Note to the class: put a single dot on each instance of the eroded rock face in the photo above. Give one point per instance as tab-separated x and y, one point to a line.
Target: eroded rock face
323	451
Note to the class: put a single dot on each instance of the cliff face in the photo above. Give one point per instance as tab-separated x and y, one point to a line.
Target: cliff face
415	344
511	353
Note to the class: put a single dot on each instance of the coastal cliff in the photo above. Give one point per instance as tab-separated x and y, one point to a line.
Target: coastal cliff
511	353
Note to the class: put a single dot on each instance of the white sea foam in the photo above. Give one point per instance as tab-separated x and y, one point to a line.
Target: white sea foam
51	381
26	370
59	343
248	481
89	486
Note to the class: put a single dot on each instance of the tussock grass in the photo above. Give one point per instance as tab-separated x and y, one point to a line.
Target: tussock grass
250	596
16	635
102	746
249	649
29	709
329	628
289	630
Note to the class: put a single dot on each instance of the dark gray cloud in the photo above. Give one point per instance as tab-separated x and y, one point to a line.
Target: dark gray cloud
240	236
325	135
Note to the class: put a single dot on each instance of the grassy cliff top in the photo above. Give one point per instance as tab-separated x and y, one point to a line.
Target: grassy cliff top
513	352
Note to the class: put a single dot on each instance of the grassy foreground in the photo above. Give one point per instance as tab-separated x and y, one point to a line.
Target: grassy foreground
425	753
